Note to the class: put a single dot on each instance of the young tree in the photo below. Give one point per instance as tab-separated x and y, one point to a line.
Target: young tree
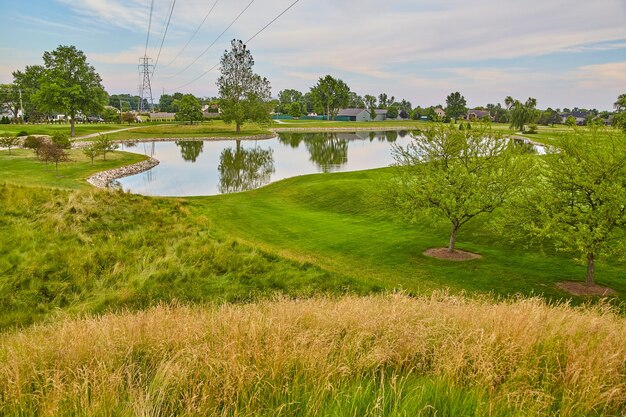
459	174
331	94
61	140
129	117
104	144
70	85
189	109
91	151
578	203
244	95
9	142
51	152
456	106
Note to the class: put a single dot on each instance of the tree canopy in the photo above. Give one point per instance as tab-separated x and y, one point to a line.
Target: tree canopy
331	94
522	113
70	85
244	95
578	200
456	106
458	174
189	109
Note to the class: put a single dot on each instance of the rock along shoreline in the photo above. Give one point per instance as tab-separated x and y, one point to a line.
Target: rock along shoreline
105	178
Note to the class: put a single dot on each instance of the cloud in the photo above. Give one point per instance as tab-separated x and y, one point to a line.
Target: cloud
611	76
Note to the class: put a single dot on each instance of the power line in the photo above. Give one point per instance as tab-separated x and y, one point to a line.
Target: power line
213	43
194	34
272	21
164	35
248	41
149	26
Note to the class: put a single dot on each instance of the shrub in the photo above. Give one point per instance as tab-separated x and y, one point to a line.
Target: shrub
532	129
5	120
61	140
32	142
22	133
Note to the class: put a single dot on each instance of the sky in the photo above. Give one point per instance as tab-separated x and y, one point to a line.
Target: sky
564	53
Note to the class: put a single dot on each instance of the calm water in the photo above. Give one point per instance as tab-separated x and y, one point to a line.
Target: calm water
191	168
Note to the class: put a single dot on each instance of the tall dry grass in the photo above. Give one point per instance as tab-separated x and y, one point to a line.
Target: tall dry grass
378	355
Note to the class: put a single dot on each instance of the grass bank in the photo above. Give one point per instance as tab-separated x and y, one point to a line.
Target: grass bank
372	356
23	168
212	129
340	222
74	252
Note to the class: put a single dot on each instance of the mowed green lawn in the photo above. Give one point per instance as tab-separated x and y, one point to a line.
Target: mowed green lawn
341	223
49	129
21	167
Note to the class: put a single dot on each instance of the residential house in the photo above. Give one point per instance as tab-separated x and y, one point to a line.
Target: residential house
580	117
475	114
440	112
361	115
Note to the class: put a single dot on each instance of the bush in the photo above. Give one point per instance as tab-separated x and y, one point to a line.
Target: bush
32	142
22	133
5	120
532	129
61	140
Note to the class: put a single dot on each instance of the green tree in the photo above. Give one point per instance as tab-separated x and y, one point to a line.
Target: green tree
456	106
110	115
104	144
383	101
9	142
10	100
189	109
523	113
91	151
620	103
70	85
392	112
28	83
355	101
61	140
244	95
570	121
331	94
286	98
458	174
578	202
295	110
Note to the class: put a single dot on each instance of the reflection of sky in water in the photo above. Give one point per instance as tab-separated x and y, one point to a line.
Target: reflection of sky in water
176	177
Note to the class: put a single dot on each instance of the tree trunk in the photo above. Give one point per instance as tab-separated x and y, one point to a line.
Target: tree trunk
73	127
238	128
591	269
455	229
57	167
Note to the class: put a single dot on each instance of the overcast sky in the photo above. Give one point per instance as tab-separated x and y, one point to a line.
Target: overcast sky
564	53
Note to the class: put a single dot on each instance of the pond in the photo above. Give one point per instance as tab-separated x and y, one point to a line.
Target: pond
194	168
197	168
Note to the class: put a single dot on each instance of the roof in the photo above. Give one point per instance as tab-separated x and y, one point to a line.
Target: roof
478	113
349	112
576	114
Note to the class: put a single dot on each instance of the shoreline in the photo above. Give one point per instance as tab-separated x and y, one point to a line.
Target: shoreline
104	179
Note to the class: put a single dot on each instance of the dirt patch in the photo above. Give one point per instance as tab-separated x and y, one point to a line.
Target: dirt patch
580	288
457	255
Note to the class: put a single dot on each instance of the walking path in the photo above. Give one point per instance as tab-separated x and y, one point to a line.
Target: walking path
94	135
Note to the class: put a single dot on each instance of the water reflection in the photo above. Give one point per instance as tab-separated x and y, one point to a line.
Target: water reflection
190	149
245	169
228	166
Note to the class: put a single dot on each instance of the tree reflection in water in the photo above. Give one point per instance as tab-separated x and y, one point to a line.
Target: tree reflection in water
329	153
245	169
190	149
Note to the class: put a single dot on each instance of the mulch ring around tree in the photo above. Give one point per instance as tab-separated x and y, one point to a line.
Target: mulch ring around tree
457	255
580	288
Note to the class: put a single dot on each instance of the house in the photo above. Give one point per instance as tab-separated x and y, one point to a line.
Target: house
361	115
475	114
580	117
440	112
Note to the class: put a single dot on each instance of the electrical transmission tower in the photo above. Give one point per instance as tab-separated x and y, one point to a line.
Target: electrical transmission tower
145	89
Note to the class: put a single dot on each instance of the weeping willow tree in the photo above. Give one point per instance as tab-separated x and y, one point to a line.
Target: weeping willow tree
522	113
